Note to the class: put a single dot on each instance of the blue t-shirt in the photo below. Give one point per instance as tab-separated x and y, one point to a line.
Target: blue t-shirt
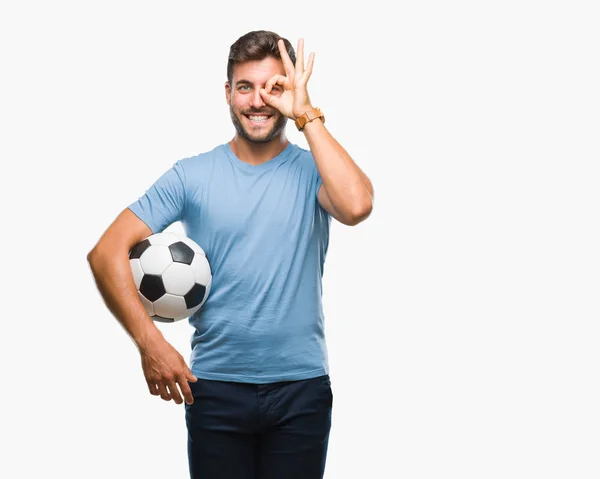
266	237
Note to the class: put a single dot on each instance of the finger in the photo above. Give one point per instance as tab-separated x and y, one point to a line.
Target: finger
163	392
276	79
153	388
189	375
309	67
186	391
287	61
174	392
300	58
269	99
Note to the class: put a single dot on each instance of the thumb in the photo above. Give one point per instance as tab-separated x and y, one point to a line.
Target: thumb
190	376
269	99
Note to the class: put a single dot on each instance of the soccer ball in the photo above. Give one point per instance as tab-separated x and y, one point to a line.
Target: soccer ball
172	276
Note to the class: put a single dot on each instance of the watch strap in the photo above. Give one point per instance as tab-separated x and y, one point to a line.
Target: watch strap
308	116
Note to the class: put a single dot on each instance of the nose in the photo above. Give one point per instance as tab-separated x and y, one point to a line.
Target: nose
256	100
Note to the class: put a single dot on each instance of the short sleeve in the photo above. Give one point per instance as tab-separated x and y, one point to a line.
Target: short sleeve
164	202
319	181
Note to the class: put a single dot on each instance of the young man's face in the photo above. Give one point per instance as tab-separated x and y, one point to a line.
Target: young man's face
245	100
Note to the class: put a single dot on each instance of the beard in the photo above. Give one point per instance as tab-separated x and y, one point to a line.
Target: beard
262	135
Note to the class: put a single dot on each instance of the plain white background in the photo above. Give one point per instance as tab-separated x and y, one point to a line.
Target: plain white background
462	317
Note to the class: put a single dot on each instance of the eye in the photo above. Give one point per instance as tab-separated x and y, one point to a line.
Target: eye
244	86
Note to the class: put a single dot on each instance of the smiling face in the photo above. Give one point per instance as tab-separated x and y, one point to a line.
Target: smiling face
254	120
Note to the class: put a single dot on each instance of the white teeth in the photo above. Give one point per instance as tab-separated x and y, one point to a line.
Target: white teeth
258	118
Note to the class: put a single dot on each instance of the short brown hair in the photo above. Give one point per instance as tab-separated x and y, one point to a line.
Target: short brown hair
256	45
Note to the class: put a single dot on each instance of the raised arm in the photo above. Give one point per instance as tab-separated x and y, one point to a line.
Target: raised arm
346	192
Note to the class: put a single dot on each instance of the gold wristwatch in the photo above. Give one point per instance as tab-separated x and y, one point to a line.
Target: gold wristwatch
310	115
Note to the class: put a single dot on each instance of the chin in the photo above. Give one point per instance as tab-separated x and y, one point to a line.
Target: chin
261	136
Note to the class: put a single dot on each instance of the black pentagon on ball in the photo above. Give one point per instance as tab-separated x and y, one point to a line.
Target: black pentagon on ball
181	253
152	287
194	296
138	249
160	319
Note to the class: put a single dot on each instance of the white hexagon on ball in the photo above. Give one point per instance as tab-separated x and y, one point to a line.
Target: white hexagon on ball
201	269
178	279
167	304
156	259
164	238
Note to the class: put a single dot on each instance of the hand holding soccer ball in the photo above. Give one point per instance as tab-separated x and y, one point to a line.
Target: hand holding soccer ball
173	277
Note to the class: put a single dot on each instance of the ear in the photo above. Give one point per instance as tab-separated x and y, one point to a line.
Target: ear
228	93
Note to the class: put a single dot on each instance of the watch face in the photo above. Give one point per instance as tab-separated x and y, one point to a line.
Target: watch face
310	115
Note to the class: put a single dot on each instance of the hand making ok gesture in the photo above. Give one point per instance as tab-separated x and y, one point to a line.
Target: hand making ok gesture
294	100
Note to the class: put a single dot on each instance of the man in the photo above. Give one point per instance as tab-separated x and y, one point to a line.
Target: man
258	393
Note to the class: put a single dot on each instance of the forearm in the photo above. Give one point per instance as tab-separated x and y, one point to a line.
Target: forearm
347	186
114	280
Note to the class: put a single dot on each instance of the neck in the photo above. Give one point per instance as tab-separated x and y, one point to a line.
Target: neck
257	153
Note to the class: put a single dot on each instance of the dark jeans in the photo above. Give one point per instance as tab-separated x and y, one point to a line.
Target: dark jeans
259	431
